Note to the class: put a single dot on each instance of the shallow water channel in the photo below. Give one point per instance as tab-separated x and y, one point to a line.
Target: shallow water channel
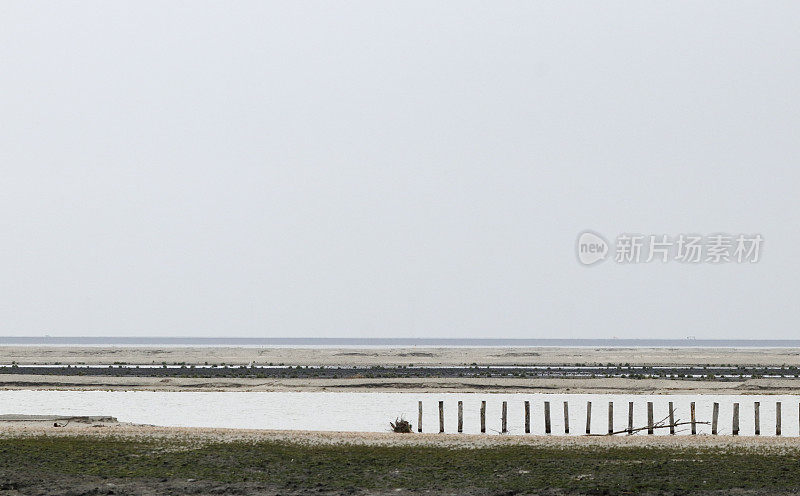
371	412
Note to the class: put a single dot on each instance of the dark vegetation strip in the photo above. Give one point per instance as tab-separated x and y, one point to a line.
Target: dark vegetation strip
28	463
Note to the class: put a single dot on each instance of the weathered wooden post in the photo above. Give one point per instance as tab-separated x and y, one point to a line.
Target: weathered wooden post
630	418
483	417
441	416
505	418
757	415
650	417
527	417
547	417
588	417
714	419
566	418
671	419
460	417
736	419
419	418
778	418
610	417
694	421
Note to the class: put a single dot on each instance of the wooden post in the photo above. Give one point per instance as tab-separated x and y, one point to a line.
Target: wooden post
694	420
736	419
649	417
566	417
460	417
441	416
778	418
588	417
714	419
547	417
419	418
671	419
505	418
610	417
483	417
757	413
527	417
630	418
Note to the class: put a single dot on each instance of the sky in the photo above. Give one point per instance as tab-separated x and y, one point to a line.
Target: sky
394	169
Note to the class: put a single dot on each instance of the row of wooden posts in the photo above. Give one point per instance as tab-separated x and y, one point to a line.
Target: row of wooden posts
651	425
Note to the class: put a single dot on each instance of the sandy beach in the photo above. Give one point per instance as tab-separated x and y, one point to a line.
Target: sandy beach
202	436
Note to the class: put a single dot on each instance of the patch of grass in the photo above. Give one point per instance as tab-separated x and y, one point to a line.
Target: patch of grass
596	470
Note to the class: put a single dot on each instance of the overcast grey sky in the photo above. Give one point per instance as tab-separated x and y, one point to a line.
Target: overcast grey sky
374	168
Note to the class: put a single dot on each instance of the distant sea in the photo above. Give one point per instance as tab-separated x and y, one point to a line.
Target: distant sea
396	342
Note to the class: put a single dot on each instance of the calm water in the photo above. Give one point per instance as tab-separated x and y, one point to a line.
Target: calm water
380	342
371	412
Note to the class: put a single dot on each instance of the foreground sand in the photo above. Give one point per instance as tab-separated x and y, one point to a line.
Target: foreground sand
366	357
206	435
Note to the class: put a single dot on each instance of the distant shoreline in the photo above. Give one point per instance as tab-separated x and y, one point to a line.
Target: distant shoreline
392	342
398	368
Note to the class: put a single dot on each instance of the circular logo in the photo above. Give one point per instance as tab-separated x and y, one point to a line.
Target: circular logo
591	247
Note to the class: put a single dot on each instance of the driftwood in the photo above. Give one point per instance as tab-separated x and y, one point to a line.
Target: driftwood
401	426
662	424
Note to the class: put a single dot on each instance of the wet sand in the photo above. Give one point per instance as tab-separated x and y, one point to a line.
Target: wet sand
450	385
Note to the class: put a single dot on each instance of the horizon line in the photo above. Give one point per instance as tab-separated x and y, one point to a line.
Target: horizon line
382	339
